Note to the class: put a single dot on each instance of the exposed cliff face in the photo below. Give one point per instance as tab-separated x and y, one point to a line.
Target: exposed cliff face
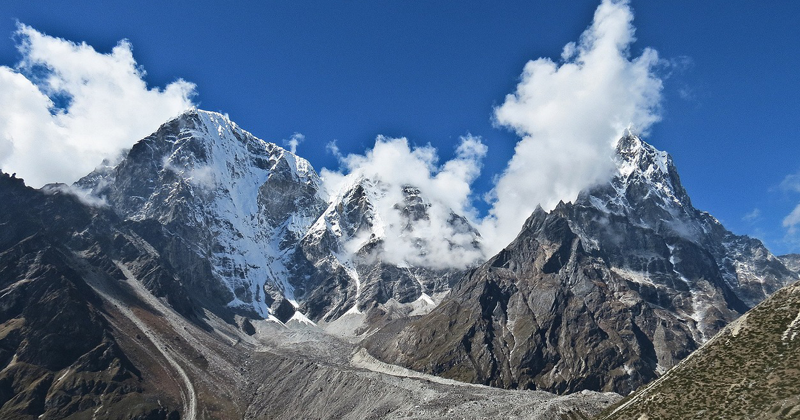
234	203
606	293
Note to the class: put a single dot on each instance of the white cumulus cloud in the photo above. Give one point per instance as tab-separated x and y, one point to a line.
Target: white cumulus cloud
66	107
570	115
791	184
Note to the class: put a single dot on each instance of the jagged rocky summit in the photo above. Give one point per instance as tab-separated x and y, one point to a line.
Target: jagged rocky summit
257	229
606	293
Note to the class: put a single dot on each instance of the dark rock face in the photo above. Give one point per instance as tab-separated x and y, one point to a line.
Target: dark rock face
58	354
603	294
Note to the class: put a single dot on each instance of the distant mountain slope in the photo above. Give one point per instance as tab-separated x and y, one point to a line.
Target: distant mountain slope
750	370
58	351
266	239
604	294
791	261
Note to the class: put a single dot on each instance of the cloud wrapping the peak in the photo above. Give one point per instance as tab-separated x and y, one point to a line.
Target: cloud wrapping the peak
570	115
74	107
393	164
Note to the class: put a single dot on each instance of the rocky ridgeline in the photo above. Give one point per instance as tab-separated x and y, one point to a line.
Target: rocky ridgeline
203	242
253	221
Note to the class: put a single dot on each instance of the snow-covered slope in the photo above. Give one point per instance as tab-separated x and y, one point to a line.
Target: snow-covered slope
348	242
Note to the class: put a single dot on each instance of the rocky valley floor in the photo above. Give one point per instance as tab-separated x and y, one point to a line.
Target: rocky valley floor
300	371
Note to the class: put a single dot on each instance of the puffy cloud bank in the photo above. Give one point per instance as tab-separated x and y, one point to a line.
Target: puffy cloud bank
73	107
569	116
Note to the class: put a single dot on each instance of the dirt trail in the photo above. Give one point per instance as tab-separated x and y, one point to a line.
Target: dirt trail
188	394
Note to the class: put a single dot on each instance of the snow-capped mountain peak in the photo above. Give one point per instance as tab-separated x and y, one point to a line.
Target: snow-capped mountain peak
240	202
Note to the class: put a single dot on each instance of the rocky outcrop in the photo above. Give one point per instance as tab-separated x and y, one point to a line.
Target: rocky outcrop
603	294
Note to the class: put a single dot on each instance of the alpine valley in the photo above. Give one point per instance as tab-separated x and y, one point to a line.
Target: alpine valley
210	274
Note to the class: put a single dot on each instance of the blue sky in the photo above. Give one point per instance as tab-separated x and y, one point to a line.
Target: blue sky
433	71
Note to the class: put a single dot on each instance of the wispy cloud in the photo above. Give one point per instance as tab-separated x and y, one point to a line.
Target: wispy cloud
752	216
294	141
791	221
74	107
84	196
791	185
